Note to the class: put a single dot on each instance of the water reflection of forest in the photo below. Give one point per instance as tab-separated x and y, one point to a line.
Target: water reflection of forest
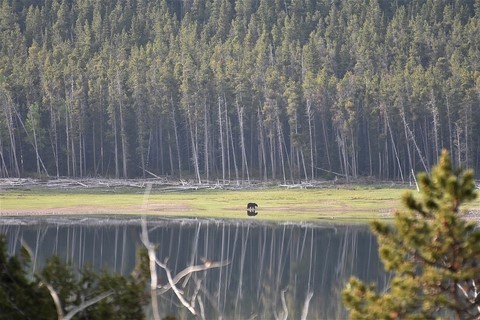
272	267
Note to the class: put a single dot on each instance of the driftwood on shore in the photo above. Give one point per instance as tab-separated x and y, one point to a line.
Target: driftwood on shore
165	184
97	183
168	184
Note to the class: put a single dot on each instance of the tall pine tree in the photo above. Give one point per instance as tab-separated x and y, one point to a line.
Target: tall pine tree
432	252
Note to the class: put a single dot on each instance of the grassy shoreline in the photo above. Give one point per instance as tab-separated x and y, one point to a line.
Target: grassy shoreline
275	204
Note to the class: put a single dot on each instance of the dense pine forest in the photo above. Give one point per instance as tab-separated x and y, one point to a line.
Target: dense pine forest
221	90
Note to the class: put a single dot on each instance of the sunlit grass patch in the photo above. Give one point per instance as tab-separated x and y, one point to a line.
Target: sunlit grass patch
274	204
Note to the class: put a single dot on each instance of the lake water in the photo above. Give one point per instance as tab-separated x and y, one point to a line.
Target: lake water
270	265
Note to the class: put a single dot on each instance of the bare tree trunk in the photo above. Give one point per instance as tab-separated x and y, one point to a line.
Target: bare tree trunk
298	150
458	144
70	133
468	117
393	142
280	148
325	140
449	119
273	162
412	137
222	147
159	150
410	162
354	154
370	165
233	150
142	161
433	108
242	142
176	137
81	153
305	173
115	135
284	146
227	121
263	153
206	140
170	154
67	132
102	150
310	136
123	136
54	139
94	149
424	133
35	145
194	146
72	149
3	166
8	105
343	153
37	155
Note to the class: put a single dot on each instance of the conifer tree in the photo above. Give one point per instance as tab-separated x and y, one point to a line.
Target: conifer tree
432	252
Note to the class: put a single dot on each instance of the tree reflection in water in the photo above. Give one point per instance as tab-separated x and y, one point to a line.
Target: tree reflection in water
274	269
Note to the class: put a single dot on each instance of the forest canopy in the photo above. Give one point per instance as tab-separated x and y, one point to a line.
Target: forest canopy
238	89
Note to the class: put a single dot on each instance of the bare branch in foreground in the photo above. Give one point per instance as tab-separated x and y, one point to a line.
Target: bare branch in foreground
472	298
188	270
55	298
175	289
87	304
284	313
202	309
306	305
151	257
153	262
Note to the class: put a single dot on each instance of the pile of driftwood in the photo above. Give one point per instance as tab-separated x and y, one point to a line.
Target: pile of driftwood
118	184
168	184
96	183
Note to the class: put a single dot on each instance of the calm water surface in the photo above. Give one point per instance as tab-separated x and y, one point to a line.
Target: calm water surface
268	262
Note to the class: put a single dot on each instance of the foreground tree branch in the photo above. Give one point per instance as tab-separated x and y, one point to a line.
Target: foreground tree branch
189	270
56	300
433	253
179	295
151	257
182	274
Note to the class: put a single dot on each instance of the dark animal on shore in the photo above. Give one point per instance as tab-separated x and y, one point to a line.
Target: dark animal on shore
252	206
251	209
